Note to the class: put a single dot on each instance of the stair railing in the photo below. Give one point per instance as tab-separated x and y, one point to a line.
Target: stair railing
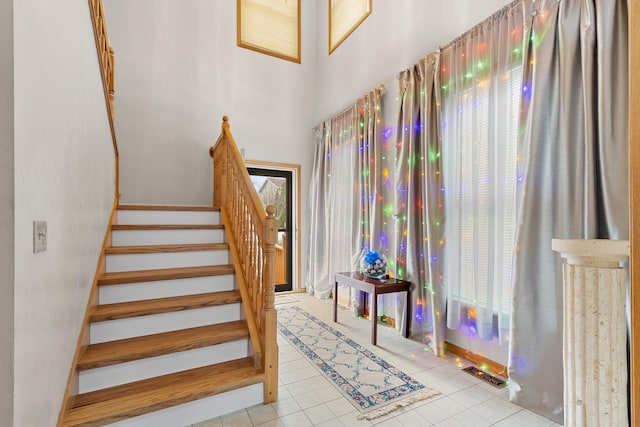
106	61
251	233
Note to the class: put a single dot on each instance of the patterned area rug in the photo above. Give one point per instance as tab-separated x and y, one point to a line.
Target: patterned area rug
372	385
285	299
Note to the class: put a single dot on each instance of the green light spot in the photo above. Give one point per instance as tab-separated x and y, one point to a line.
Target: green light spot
433	155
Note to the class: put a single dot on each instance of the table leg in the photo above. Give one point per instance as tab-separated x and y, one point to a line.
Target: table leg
373	314
408	308
335	302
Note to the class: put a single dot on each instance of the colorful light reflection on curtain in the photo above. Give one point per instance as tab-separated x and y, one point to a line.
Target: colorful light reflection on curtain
481	92
346	191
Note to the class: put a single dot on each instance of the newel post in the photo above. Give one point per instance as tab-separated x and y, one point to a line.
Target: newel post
219	152
269	314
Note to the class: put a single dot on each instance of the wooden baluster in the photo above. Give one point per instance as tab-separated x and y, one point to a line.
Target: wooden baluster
250	252
257	256
111	76
269	314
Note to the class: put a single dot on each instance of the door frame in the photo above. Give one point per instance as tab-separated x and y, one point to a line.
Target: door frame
634	206
286	285
296	273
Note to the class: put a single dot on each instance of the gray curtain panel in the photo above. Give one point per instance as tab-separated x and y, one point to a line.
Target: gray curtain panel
574	168
419	209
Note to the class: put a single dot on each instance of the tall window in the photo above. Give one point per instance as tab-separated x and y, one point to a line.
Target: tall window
481	93
344	17
271	27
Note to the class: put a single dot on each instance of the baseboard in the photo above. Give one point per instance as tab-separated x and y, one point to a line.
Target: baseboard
477	359
71	389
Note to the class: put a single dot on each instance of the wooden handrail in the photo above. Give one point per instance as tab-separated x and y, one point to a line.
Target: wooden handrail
251	234
106	60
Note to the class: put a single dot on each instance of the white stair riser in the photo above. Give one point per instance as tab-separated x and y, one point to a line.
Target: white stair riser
164	288
122	373
152	261
157	323
168	217
165	237
199	410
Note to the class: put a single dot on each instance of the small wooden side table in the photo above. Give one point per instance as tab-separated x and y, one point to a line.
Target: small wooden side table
374	287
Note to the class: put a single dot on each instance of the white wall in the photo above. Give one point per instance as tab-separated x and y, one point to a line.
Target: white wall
396	35
6	212
64	174
178	71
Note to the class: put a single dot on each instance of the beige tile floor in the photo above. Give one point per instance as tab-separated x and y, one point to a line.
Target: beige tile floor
306	398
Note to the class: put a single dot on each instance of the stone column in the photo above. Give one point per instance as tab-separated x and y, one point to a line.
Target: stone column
595	332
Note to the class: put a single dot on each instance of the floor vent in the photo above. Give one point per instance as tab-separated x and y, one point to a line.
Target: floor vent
488	378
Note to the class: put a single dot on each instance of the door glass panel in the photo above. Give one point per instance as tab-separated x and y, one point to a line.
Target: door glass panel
274	188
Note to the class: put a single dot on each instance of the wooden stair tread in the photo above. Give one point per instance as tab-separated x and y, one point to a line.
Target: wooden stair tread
126	350
139	276
167	208
147	249
128	400
124	310
167	227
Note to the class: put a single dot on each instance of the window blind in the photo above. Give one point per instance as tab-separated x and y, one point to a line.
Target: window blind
480	153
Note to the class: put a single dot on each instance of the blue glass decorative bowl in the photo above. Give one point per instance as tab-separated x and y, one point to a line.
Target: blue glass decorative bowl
373	264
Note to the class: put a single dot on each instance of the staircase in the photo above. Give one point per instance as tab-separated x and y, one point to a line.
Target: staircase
169	342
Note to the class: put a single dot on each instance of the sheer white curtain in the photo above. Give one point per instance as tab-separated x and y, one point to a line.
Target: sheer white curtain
480	75
317	281
345	188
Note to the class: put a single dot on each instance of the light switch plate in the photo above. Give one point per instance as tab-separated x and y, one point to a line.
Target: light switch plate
39	236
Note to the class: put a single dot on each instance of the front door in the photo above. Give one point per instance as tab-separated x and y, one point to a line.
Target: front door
274	187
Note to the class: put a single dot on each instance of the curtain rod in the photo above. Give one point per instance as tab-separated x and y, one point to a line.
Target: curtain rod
381	87
502	10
